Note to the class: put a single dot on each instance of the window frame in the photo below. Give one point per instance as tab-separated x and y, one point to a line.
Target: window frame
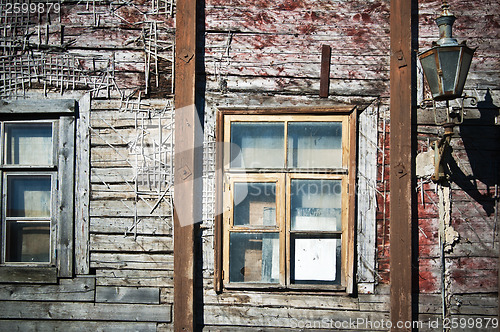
62	114
347	173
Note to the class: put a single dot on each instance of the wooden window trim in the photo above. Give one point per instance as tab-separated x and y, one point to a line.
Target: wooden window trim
221	114
62	112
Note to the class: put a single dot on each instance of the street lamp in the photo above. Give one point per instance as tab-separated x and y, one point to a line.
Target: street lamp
445	67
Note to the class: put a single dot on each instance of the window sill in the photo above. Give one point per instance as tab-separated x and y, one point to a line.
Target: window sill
28	274
335	289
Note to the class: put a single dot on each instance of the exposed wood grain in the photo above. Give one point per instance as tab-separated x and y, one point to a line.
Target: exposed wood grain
54	106
144	295
122	225
75	326
75	290
82	187
66	194
87	311
121	243
135	278
401	171
140	261
37	275
188	165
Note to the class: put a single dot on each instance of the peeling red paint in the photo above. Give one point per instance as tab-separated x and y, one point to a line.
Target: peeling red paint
291	4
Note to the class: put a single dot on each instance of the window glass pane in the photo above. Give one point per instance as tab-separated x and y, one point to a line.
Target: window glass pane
314	144
28	144
261	145
316	260
255	204
254	257
28	242
28	196
316	205
449	61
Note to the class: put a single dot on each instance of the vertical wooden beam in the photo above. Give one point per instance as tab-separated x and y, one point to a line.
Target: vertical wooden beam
324	82
401	169
186	120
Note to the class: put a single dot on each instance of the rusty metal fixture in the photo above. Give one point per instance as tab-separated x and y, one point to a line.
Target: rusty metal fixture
447	63
445	67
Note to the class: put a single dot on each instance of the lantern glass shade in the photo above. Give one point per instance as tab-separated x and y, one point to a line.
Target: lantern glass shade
446	68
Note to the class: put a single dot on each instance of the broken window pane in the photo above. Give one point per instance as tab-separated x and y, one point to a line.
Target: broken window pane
316	260
28	242
254	257
316	205
261	144
255	204
314	144
28	196
28	144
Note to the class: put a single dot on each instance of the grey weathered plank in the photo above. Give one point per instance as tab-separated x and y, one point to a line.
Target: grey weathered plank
285	316
66	207
75	326
76	290
132	261
144	278
366	199
128	208
144	225
300	85
42	275
82	191
87	311
54	106
261	299
144	295
121	243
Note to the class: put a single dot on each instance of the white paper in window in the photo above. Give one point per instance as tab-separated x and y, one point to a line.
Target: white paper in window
315	259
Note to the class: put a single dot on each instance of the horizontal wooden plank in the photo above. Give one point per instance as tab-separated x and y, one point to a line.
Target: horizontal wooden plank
144	295
343	87
87	311
147	133
115	175
121	243
38	275
260	299
144	225
75	326
77	290
42	106
285	316
132	261
474	304
279	21
138	278
251	100
301	46
128	208
102	107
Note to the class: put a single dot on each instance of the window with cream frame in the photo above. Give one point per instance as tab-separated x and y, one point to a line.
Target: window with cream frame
288	219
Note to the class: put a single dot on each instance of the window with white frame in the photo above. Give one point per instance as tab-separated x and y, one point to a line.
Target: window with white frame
36	168
288	215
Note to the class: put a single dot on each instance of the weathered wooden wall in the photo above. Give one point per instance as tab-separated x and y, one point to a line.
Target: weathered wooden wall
466	205
114	58
255	53
267	54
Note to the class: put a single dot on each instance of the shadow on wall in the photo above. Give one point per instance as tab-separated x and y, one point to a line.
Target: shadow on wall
478	175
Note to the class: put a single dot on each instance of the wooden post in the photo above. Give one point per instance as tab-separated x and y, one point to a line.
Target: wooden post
185	165
324	83
401	167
